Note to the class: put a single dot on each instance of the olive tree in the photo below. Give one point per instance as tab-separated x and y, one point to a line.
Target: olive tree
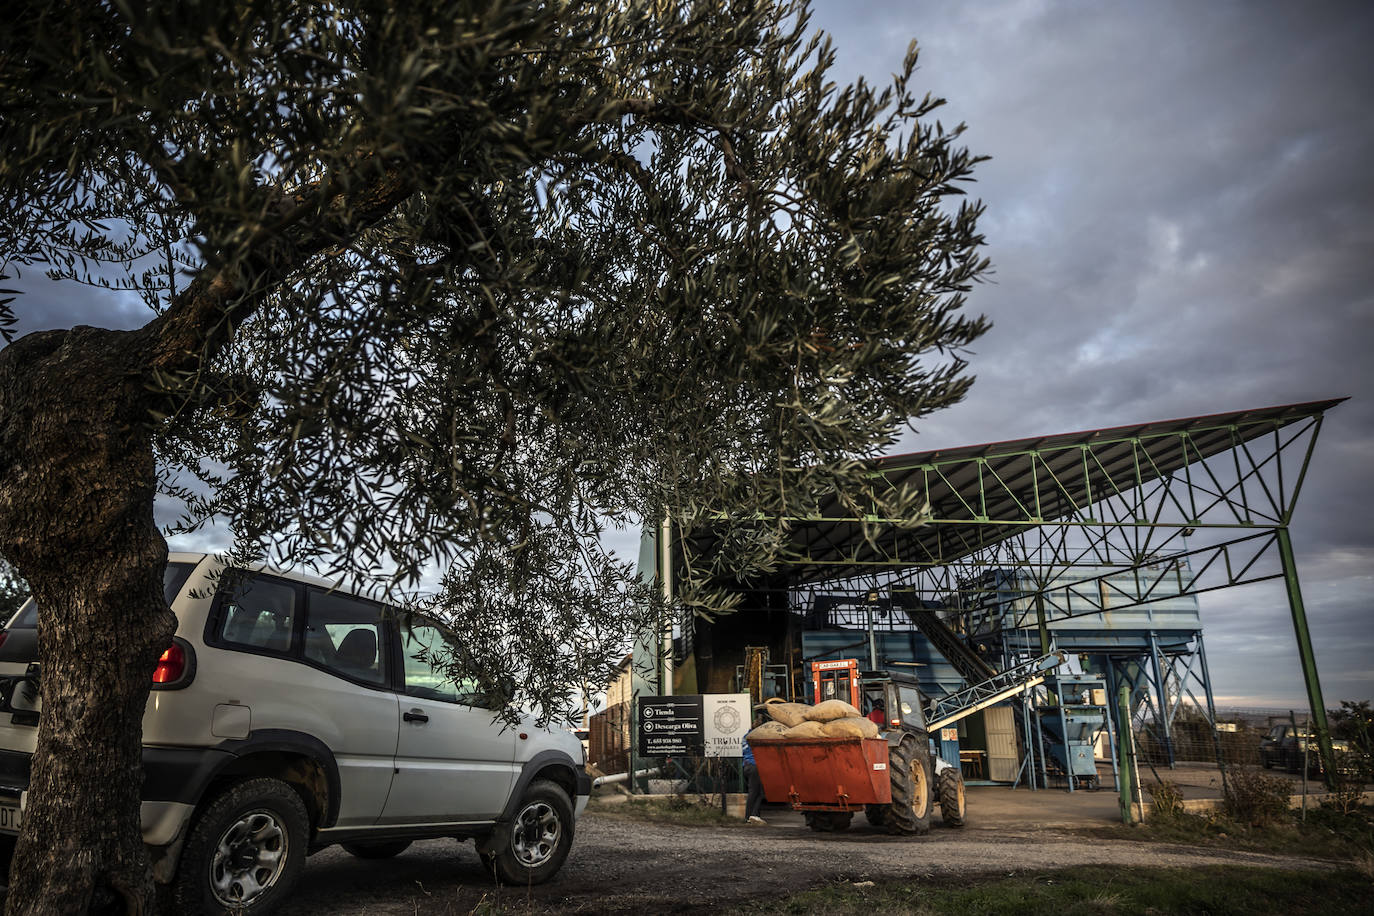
436	284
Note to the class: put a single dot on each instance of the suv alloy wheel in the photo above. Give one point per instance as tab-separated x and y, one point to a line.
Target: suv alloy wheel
245	852
540	837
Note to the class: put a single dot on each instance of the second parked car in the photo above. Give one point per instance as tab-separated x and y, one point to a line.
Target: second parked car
1286	746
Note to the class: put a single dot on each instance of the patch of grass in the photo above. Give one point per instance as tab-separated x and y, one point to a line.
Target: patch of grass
1328	833
683	810
1167	798
1090	891
1252	797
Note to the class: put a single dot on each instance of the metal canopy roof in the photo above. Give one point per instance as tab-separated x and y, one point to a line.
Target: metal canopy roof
982	494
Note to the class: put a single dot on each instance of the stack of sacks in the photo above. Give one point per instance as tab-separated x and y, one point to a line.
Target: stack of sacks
797	721
788	714
805	730
769	731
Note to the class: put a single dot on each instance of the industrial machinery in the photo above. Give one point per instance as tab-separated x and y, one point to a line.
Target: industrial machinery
1070	726
758	678
837	679
895	778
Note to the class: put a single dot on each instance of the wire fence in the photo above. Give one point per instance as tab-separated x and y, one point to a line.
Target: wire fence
1242	740
608	742
1247	737
705	777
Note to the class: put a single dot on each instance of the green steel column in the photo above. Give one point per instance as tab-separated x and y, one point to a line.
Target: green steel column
1042	624
1125	772
1306	655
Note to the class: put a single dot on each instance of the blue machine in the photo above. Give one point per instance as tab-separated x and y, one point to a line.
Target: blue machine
1069	728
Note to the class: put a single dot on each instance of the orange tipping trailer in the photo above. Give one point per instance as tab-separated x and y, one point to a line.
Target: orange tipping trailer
824	774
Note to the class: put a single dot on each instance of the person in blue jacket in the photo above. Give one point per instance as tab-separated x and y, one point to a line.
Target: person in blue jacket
754	802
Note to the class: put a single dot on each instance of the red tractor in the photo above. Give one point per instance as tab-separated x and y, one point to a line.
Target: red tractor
894	778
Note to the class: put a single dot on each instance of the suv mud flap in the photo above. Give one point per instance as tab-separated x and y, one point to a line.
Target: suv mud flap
164	859
493	842
180	774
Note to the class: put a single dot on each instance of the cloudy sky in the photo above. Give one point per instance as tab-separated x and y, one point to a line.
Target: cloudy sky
1180	213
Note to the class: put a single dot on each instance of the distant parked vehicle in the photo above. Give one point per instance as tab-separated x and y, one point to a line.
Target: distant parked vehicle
1285	746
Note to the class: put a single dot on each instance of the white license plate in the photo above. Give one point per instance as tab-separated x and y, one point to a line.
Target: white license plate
9	817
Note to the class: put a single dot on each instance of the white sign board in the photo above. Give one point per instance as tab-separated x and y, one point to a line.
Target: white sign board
693	725
725	721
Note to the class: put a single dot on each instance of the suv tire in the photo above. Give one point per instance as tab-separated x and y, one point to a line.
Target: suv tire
7	844
538	839
382	849
245	852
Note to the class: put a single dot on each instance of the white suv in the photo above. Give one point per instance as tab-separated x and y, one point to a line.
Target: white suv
288	716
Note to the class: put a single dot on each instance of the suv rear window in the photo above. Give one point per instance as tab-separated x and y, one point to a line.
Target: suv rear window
258	613
172	580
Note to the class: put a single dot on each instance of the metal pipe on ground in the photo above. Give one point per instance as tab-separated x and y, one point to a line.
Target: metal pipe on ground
617	778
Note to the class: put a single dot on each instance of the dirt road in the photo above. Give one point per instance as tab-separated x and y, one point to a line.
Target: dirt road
626	866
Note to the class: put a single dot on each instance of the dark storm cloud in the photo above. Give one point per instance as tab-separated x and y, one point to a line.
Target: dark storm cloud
44	305
1179	217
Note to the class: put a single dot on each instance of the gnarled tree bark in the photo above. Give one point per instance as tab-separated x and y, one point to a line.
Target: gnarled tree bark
77	478
78	413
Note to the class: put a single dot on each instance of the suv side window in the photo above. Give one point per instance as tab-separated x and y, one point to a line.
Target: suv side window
425	649
347	636
257	613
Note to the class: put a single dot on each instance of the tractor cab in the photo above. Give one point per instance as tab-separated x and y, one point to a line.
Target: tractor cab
903	702
899	692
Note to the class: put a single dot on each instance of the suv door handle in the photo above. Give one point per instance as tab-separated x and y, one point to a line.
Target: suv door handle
415	715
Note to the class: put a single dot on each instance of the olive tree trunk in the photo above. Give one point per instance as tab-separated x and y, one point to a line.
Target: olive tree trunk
76	519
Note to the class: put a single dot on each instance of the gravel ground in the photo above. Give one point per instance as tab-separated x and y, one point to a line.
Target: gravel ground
620	865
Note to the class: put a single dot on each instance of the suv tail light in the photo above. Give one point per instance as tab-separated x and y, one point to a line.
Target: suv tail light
171	666
4	635
176	666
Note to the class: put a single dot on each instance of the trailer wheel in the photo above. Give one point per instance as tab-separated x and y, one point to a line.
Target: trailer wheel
876	814
951	784
909	764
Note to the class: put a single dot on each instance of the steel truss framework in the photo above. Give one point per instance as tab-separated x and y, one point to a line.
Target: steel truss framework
1171	681
1104	520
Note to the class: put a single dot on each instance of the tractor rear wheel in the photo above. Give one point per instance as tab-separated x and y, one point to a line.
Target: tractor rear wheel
951	784
876	814
909	764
